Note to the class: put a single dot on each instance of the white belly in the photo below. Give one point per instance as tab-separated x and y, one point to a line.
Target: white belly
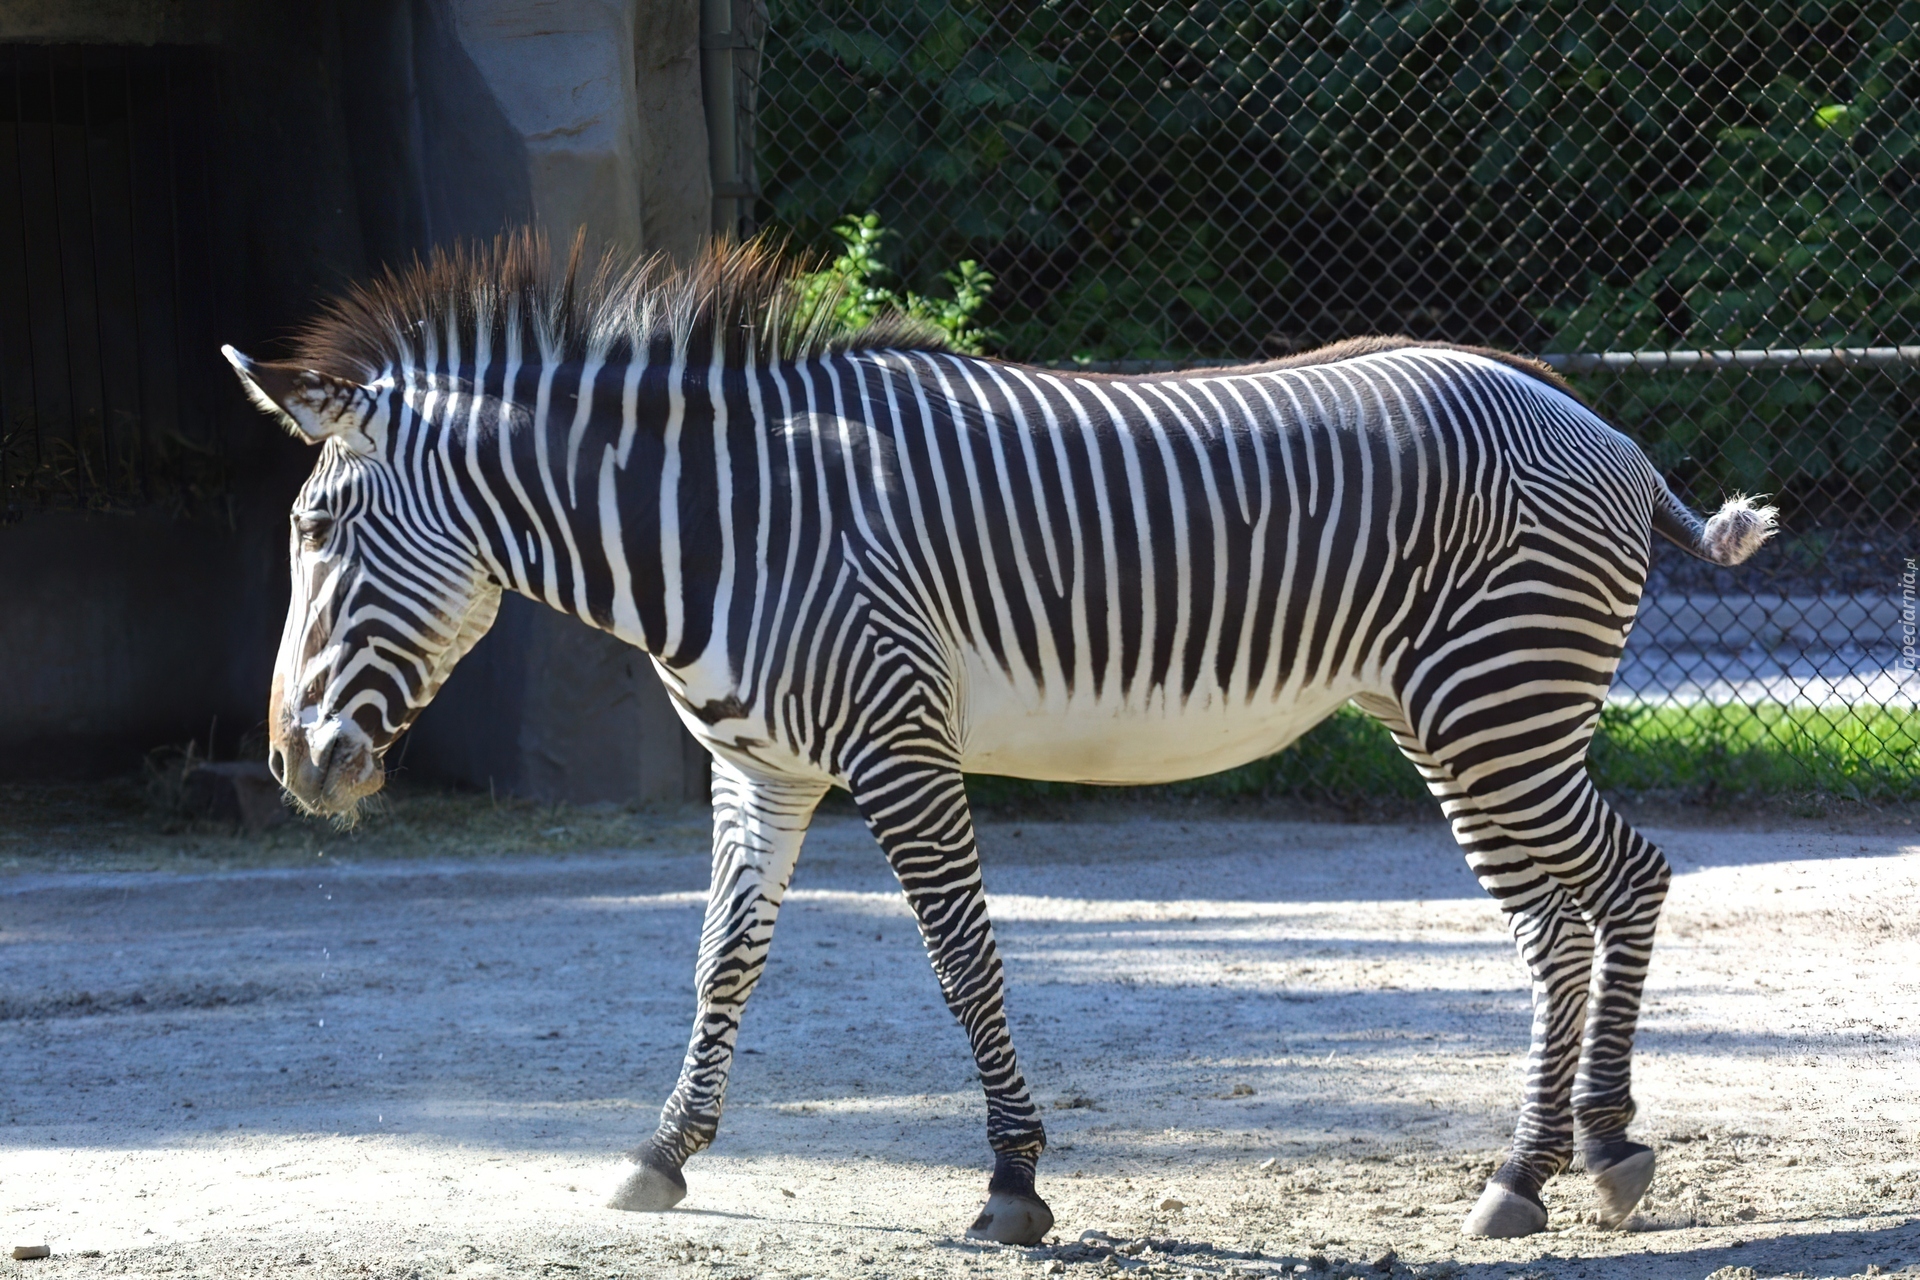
1154	738
1011	728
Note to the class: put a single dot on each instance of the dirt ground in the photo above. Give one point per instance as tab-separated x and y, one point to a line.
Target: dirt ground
1307	1037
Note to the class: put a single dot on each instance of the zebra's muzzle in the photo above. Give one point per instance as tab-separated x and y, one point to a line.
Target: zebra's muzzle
331	779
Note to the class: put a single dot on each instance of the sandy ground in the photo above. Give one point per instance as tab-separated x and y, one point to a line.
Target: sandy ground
1308	1035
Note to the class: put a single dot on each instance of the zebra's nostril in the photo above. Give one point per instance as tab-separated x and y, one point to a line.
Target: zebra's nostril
277	764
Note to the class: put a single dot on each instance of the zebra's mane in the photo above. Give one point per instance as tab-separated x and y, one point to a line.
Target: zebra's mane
754	296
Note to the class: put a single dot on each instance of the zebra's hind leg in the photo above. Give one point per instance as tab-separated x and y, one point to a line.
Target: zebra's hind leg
758	824
1622	891
917	809
1618	880
1556	946
1548	810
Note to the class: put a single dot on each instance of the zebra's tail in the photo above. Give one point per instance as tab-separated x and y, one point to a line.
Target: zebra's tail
1732	534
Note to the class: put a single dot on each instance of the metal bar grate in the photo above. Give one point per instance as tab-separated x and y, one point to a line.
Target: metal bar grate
104	327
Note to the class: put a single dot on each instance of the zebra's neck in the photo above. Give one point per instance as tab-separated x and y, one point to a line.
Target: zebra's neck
606	488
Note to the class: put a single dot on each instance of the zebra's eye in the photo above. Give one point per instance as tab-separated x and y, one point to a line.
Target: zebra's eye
313	527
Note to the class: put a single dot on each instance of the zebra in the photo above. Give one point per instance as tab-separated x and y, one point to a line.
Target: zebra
860	559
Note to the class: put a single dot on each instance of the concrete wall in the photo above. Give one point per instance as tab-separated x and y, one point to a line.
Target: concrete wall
367	131
550	99
111	648
677	194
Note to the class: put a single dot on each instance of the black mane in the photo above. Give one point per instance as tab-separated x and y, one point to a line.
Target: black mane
751	296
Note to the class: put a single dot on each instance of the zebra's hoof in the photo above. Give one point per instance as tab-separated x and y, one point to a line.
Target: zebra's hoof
1622	1181
1012	1219
647	1189
1503	1213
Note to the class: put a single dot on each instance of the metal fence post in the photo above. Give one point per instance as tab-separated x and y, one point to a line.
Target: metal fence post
730	36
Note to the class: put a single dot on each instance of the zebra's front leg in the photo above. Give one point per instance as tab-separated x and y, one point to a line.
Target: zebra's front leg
758	824
918	812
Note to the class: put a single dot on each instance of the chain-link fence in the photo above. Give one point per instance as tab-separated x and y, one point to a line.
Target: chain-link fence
1174	182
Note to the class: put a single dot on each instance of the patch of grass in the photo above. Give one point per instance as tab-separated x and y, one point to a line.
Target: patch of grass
1855	753
1704	753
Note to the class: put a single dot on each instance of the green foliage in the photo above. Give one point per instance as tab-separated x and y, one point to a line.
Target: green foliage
872	105
1853	435
1797	230
1708	144
1026	138
1193	178
858	274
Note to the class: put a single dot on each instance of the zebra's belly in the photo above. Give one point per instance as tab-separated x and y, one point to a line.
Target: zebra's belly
1159	739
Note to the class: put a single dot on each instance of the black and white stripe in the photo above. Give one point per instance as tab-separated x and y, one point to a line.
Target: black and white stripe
881	567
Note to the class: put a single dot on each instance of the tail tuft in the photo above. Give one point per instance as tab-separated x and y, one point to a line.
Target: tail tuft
1737	530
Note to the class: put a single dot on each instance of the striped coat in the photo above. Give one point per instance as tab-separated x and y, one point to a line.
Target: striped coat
864	561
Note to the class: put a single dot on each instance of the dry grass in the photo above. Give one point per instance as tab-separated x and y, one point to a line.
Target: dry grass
128	824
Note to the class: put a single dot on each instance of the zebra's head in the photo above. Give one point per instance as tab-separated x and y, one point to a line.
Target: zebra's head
386	599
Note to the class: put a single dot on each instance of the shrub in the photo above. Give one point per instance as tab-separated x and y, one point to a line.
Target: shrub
859	274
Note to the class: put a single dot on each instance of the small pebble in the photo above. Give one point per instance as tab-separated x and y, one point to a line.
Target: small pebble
1270	1163
21	1252
1171	1203
1056	1268
788	1194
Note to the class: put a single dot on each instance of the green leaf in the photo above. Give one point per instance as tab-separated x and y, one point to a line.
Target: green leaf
1839	117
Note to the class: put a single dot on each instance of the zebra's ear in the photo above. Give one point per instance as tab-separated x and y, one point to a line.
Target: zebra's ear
314	406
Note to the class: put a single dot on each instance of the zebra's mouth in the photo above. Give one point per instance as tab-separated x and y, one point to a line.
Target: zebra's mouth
328	769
